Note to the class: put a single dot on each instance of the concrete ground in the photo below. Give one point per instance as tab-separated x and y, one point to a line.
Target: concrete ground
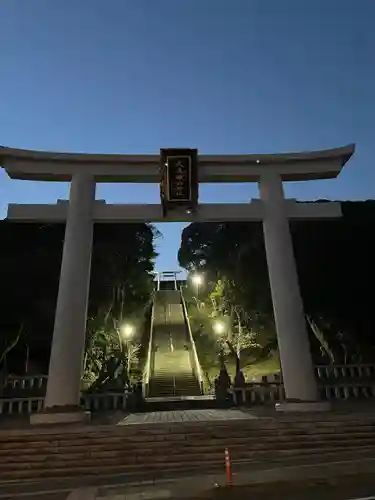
349	488
358	486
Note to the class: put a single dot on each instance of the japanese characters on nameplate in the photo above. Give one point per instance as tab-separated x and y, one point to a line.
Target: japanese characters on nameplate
179	178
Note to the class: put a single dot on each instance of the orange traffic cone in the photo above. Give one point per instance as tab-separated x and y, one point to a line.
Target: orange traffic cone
228	469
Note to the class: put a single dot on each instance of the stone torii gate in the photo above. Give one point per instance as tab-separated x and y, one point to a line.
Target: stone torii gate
83	171
171	275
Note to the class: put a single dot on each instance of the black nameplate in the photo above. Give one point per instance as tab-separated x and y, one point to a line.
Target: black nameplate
179	176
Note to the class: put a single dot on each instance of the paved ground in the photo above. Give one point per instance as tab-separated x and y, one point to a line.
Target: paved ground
185	416
343	476
339	489
359	487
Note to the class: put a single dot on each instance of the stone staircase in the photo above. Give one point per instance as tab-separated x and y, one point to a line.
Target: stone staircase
150	451
172	374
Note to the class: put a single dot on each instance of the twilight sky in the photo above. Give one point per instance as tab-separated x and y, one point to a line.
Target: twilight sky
225	76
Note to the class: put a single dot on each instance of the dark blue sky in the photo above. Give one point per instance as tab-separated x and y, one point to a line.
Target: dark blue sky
225	76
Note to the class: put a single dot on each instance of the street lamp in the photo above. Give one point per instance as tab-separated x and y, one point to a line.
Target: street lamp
197	280
219	327
127	331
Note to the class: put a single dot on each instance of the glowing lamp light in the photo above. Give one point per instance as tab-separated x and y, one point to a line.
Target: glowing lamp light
127	330
219	328
197	279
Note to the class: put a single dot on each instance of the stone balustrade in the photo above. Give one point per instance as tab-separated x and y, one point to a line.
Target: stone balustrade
93	402
19	406
336	382
258	393
325	372
105	401
26	382
343	382
23	395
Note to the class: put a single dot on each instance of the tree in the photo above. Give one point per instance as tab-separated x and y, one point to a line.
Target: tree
30	257
335	265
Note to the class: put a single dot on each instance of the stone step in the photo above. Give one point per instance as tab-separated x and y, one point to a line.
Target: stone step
167	381
182	375
176	441
173	367
159	392
165	384
179	456
162	385
187	387
84	448
134	449
181	404
155	392
168	432
122	456
101	466
189	430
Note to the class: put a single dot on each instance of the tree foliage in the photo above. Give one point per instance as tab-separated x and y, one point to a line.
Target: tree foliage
30	258
335	266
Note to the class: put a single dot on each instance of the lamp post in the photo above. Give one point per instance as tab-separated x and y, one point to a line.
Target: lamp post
127	332
220	328
197	281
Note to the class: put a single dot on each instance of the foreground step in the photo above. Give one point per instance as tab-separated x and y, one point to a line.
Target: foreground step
173	442
104	467
181	454
133	449
99	457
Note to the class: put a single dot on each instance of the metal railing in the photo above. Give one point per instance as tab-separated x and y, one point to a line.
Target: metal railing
197	367
147	369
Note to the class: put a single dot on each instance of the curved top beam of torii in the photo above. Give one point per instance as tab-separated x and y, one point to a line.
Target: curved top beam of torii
46	166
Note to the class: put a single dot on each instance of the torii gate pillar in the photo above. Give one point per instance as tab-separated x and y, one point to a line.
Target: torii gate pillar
294	348
68	345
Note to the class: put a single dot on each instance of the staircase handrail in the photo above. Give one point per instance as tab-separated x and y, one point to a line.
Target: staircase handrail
147	369
198	368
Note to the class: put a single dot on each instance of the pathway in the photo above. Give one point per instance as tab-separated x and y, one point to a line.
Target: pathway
293	483
203	415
